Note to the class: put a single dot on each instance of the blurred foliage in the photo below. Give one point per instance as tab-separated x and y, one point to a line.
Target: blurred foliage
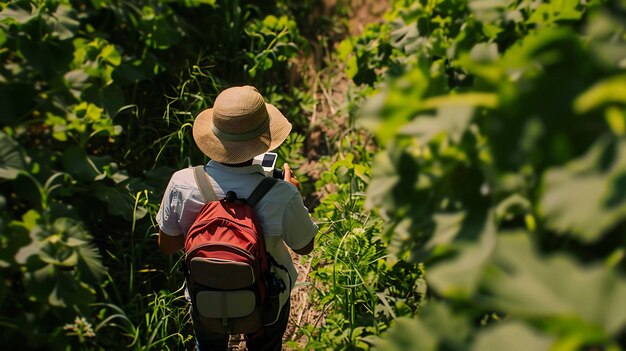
502	167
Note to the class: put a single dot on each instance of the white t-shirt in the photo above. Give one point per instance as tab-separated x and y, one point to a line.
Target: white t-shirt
281	212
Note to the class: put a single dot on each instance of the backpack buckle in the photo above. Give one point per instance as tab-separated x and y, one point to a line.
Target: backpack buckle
231	197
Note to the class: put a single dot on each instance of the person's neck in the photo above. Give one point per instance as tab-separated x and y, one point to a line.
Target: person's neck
242	164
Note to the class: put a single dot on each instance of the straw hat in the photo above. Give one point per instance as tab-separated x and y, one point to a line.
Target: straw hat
239	126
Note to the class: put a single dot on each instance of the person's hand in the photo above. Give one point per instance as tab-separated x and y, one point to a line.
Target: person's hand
289	177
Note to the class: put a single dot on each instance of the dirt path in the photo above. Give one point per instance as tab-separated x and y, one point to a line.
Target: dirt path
329	86
328	118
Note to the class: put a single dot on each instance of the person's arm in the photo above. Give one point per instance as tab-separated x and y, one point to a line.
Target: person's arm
169	244
289	177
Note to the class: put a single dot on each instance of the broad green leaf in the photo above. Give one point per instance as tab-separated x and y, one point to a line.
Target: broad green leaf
512	336
352	67
111	55
405	36
450	119
118	198
488	100
610	90
447	227
390	110
575	298
194	3
76	80
603	31
3	37
512	205
344	49
406	334
67	291
484	53
63	22
384	179
437	328
586	197
71	229
18	15
475	240
12	157
488	11
79	165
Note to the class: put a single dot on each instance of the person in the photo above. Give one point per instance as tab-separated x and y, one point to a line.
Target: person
240	126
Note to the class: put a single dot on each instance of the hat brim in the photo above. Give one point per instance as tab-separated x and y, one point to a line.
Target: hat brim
233	152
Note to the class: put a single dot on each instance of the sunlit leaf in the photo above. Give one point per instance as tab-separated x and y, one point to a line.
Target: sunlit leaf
610	90
405	36
111	55
18	14
406	334
474	244
384	179
437	328
63	22
513	336
523	284
3	37
451	120
586	197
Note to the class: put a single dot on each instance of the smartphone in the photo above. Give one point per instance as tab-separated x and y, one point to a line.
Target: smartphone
267	161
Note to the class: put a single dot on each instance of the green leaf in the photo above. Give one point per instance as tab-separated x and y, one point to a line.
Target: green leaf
389	110
574	298
586	197
405	36
474	243
406	334
18	15
67	291
484	53
79	165
384	180
76	80
344	49
512	336
111	55
3	37
450	119
195	3
436	329
352	67
90	260
610	90
119	200
63	23
12	157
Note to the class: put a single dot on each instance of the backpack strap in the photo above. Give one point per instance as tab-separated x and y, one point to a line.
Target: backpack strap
266	184
204	184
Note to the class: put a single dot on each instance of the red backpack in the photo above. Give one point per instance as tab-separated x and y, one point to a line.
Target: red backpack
227	266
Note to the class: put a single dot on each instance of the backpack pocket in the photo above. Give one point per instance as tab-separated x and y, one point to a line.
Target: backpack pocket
225	304
224	295
221	274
